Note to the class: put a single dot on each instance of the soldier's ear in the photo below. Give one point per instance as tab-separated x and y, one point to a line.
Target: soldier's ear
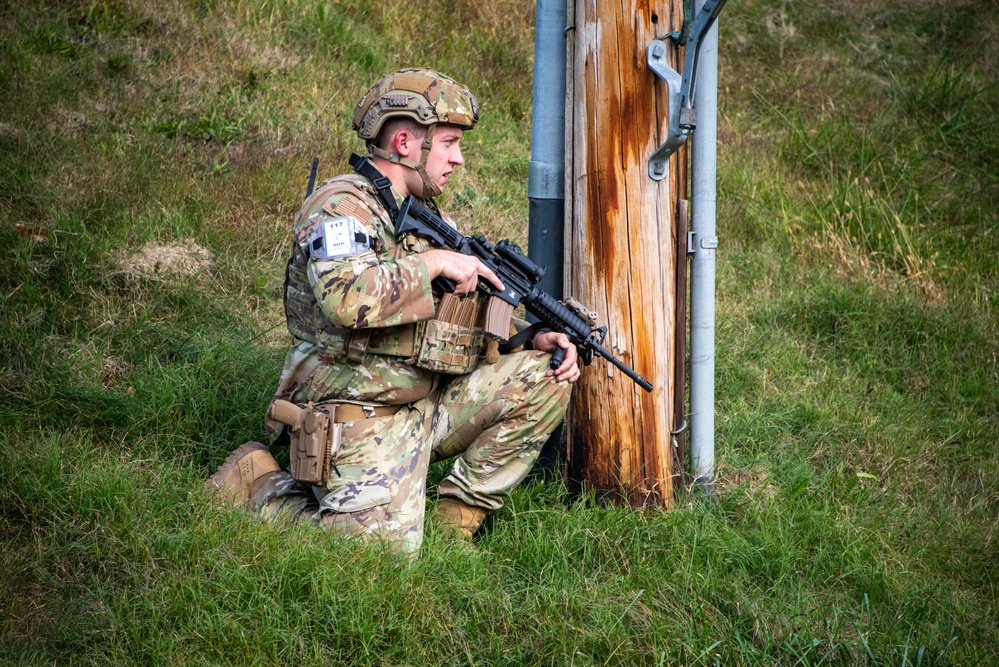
404	143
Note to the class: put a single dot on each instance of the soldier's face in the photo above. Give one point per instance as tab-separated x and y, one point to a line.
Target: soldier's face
445	153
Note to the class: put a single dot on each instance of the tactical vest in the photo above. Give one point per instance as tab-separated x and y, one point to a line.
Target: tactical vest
451	347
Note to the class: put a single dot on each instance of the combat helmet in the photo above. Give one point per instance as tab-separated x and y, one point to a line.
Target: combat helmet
423	95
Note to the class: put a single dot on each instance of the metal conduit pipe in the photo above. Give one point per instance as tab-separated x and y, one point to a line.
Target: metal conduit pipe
546	171
702	281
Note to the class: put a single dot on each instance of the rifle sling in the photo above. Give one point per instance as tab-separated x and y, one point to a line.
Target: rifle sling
381	182
522	337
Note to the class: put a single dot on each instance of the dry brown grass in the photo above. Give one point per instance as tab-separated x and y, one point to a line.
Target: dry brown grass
166	261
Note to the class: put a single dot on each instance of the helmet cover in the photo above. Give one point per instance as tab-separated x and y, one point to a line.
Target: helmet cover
422	95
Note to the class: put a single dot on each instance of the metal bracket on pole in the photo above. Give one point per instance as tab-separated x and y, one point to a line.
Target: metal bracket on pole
682	113
676	137
710	243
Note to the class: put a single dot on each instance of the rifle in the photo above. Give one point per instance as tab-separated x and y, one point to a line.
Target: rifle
519	276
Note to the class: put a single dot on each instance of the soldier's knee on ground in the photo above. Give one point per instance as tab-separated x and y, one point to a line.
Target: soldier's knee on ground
375	523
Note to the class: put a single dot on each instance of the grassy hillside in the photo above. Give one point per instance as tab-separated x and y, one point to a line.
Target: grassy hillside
152	156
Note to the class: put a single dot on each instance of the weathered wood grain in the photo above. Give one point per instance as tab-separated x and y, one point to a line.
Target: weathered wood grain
622	247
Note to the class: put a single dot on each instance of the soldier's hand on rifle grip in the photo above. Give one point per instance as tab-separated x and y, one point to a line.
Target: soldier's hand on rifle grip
558	356
554	342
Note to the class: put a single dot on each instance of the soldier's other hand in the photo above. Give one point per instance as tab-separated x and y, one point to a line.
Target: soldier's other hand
464	270
548	341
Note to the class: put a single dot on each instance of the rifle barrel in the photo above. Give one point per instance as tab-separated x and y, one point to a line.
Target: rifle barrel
621	366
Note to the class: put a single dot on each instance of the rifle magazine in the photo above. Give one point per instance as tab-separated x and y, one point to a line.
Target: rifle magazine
498	314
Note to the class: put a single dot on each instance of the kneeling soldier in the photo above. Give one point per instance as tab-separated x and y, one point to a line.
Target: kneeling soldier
387	374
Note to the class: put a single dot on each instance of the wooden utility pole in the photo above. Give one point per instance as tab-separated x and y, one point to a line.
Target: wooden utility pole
621	238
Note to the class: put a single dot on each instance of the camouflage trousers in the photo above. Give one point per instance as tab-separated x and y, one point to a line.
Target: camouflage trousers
495	420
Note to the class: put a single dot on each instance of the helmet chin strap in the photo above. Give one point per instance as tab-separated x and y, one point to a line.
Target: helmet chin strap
430	189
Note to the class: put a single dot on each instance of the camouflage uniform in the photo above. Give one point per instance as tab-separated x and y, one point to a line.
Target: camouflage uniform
365	313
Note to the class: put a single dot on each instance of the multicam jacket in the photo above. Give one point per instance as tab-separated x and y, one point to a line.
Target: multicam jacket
356	321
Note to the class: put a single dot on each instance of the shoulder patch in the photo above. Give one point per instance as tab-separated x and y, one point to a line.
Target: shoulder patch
346	196
341	236
347	207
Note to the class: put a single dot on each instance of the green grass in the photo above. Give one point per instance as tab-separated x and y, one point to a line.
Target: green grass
857	368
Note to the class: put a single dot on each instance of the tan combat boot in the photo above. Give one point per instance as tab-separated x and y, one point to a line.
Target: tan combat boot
456	514
243	473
